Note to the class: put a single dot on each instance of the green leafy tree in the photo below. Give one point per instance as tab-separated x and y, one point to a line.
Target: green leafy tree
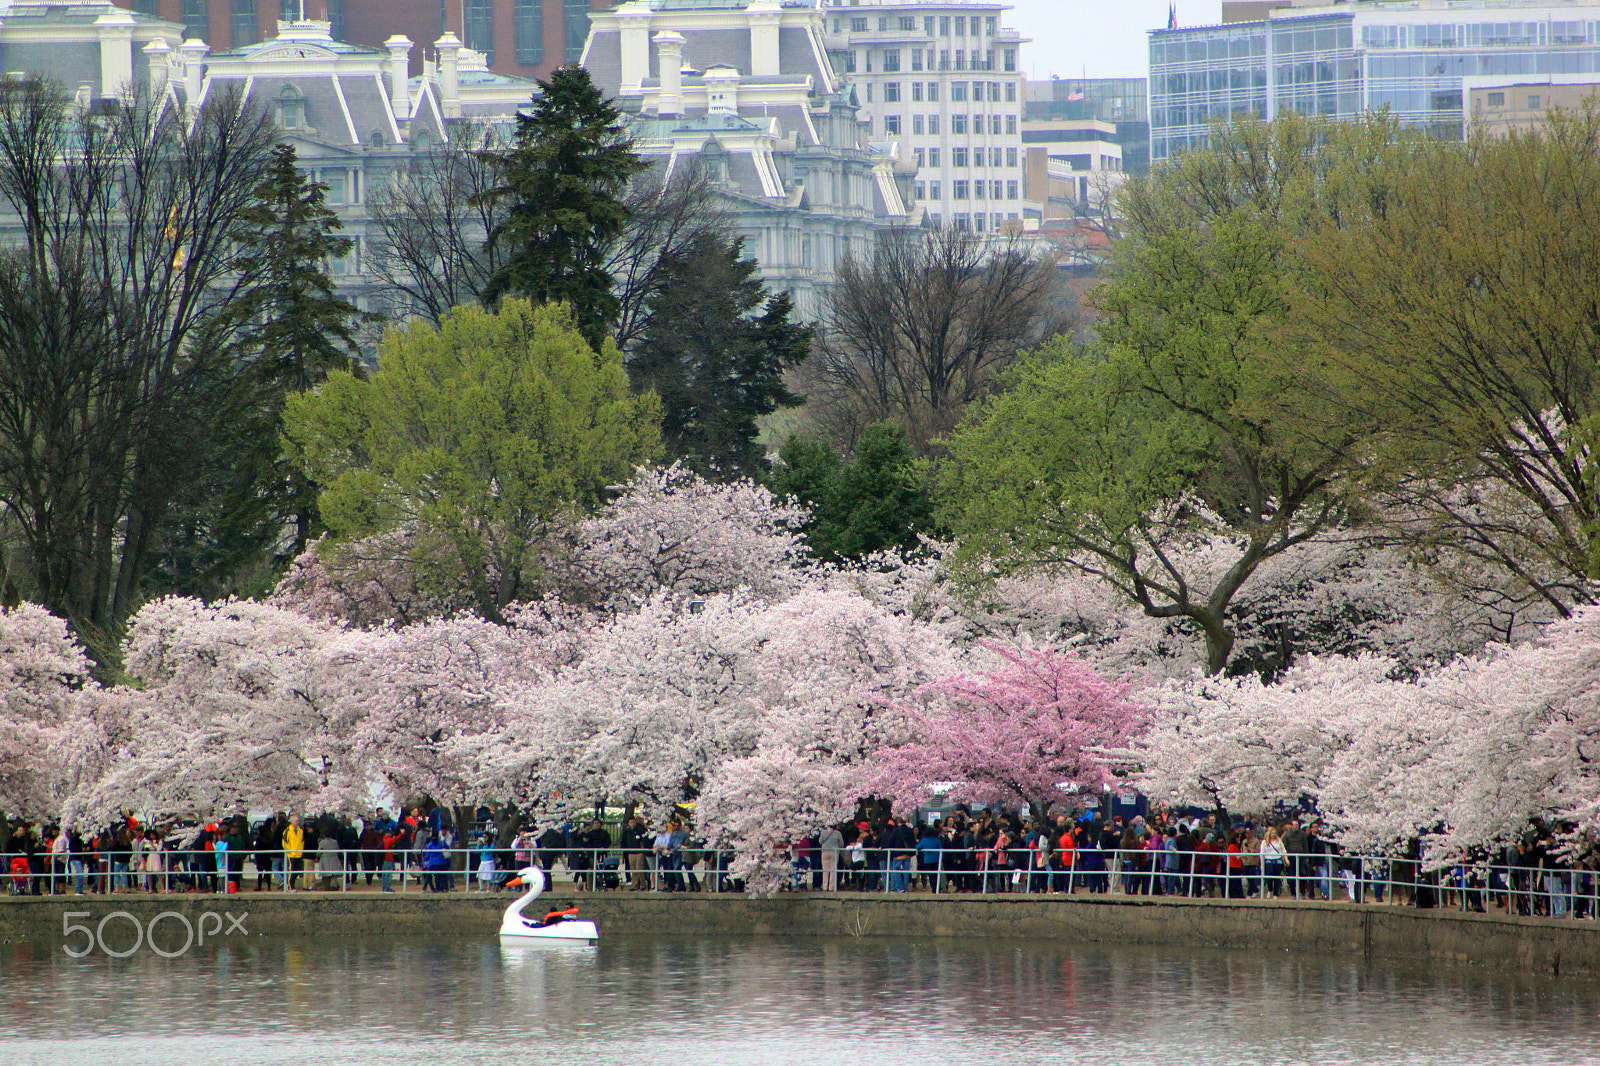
715	350
1457	320
1165	461
562	186
477	438
878	500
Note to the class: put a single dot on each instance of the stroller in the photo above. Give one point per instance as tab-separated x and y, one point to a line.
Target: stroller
607	872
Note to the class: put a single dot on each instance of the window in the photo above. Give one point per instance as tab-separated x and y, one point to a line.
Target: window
575	23
891	60
962	222
197	19
291	108
988	26
959	157
850	61
1011	123
891	92
528	17
994	125
883	25
977	189
477	21
961	26
917	128
994	157
920	155
921	189
977	222
1011	157
958	90
933	96
995	189
933	158
891	124
944	59
994	92
916	92
1011	92
858	25
961	59
334	180
927	26
933	191
960	188
988	59
933	125
944	25
1533	101
1011	58
916	59
1497	99
1011	190
908	24
958	123
243	28
869	90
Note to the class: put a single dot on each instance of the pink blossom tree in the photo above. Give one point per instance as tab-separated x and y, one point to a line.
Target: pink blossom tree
239	707
673	531
44	676
1025	732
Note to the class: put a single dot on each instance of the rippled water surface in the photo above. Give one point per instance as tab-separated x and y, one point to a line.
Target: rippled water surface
444	1002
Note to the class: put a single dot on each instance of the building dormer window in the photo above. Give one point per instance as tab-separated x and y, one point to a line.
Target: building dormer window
291	109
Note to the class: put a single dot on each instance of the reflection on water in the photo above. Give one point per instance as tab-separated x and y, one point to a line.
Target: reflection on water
455	1001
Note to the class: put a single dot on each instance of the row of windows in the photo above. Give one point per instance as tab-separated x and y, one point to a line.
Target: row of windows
1480	35
889	60
998	92
1535	101
968	190
960	157
527	18
961	221
947	25
929	125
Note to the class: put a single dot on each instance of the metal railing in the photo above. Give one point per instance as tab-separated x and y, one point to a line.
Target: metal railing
1476	886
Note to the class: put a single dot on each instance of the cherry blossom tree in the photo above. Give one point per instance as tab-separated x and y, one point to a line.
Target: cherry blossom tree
239	707
44	675
1025	732
672	530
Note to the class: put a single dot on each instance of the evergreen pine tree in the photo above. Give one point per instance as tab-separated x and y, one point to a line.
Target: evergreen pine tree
295	330
715	351
878	500
563	181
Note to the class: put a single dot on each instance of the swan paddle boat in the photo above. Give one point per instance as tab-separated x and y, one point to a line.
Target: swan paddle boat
563	925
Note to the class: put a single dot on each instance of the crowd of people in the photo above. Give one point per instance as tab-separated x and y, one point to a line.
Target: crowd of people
1212	855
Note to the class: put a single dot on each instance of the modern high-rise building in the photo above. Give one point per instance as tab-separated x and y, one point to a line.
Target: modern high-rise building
941	84
520	38
1418	58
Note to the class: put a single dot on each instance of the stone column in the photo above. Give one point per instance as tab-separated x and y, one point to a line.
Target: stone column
634	18
399	47
158	54
115	29
765	19
449	49
194	53
669	57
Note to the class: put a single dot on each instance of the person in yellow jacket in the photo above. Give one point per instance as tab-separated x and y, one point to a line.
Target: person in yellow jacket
294	848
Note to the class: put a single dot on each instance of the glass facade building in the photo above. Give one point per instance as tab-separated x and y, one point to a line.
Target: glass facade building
1411	56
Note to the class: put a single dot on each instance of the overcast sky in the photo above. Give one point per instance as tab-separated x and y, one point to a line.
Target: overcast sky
1105	36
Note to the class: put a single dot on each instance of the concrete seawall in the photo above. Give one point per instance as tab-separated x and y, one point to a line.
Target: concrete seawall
1532	945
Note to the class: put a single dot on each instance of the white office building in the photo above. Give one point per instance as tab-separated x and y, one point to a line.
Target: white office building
941	85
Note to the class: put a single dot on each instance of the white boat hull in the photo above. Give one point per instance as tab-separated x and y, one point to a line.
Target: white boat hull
564	931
